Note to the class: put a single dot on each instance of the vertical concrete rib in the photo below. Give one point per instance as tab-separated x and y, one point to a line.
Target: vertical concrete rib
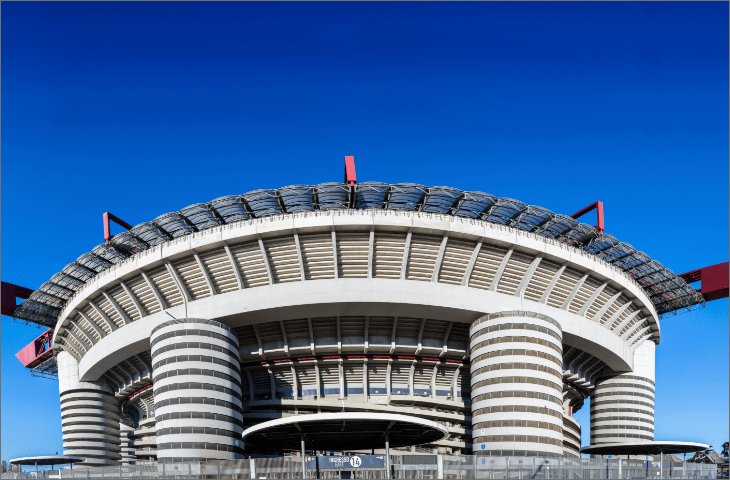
622	406
89	416
500	270
553	282
472	262
516	385
197	390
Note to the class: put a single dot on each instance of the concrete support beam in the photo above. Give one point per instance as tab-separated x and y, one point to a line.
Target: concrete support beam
371	248
178	282
258	340
299	256
135	300
81	342
406	251
500	270
205	273
266	259
234	267
602	311
446	339
112	326
625	322
117	308
520	292
392	335
589	303
616	315
93	324
283	335
551	285
470	265
420	337
311	336
334	253
339	336
155	292
90	338
569	299
439	258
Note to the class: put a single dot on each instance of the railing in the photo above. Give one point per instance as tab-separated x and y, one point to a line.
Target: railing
402	467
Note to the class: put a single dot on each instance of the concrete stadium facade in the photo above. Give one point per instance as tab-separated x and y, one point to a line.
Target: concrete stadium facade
497	333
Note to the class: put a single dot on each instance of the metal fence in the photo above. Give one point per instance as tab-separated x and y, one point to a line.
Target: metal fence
401	467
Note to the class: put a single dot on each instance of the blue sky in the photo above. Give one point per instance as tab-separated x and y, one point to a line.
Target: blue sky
144	108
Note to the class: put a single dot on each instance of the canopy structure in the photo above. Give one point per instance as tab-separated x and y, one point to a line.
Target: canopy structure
46	460
644	448
343	432
666	290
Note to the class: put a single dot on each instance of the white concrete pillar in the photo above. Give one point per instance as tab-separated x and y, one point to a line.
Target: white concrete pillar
516	385
197	390
622	406
89	416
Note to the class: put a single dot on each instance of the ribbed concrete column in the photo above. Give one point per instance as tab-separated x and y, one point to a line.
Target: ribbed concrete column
197	390
89	416
622	406
516	385
125	432
571	436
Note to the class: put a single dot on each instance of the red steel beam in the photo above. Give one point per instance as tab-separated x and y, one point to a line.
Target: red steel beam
598	206
107	231
37	351
350	177
9	294
715	280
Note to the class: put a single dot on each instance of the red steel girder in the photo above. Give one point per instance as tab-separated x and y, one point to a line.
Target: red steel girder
107	231
37	351
350	177
10	293
715	280
598	206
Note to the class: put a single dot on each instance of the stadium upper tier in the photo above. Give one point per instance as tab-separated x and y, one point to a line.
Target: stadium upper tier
667	292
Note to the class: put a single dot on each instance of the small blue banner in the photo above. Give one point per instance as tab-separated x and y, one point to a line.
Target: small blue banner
346	462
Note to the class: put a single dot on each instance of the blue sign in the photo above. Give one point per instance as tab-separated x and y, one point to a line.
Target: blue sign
346	462
484	445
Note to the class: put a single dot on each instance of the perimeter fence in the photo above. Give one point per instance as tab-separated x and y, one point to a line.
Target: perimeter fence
401	467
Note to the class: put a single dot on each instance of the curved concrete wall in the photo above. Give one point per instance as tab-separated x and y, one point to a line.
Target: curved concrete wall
571	436
516	385
622	406
197	390
89	416
489	260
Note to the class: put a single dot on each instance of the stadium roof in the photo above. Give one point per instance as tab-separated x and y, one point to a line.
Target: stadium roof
643	448
343	431
666	290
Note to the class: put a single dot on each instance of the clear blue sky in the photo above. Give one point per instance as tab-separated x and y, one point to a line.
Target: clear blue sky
144	108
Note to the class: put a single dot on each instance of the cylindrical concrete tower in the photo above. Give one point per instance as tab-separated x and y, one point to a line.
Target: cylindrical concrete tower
126	428
89	416
197	390
516	385
622	406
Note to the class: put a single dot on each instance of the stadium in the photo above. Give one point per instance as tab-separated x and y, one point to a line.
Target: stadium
272	322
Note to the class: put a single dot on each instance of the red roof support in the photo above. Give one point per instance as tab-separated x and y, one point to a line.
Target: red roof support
350	178
715	280
107	231
9	295
598	206
37	351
